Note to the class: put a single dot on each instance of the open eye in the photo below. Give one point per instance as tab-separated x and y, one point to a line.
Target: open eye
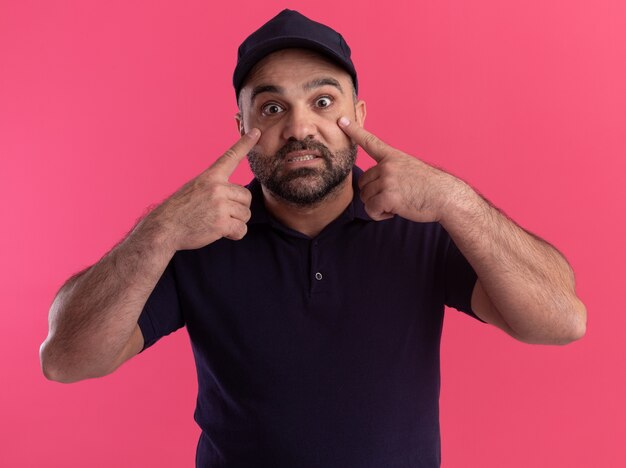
323	102
272	109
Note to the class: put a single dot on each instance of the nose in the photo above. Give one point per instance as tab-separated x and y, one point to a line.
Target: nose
300	124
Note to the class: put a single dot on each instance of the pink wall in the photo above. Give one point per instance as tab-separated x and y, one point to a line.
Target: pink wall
108	107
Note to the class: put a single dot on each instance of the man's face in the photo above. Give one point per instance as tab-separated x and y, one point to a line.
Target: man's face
295	98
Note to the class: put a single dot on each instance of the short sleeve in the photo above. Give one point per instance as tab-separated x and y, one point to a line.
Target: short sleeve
460	279
161	315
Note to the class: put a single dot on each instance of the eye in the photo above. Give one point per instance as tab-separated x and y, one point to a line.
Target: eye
324	102
271	109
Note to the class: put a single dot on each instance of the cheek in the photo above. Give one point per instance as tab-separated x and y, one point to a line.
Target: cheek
269	143
334	136
332	132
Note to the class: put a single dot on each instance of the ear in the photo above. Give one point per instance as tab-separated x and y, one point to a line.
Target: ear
240	127
360	112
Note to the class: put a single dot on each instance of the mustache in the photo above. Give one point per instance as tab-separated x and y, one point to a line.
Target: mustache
301	145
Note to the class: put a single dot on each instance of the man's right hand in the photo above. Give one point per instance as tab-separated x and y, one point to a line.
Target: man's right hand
93	319
209	207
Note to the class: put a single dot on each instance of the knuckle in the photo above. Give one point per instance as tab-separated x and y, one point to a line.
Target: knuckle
214	191
371	212
368	139
375	204
230	153
243	193
387	180
223	209
371	140
238	230
243	229
247	195
199	183
395	198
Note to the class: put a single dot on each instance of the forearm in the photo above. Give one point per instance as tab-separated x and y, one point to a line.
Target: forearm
527	280
530	286
95	312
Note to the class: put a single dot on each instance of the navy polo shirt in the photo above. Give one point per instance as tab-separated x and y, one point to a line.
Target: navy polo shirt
316	352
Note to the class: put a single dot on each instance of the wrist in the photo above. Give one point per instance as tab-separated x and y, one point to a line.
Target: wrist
157	233
462	205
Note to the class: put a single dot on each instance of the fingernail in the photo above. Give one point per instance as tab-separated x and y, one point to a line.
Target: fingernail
344	121
255	132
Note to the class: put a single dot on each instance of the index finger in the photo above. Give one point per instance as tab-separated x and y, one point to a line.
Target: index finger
372	145
226	164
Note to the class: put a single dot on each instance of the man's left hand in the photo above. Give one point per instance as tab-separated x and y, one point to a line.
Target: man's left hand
400	184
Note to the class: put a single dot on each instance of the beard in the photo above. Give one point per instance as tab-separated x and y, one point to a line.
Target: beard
303	186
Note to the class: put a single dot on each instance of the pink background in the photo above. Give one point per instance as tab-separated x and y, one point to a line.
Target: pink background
108	107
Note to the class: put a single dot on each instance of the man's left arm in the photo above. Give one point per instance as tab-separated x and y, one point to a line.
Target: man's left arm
525	286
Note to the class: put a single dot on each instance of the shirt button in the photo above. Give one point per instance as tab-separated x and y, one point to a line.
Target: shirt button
318	276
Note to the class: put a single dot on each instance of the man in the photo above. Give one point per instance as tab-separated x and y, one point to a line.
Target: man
314	297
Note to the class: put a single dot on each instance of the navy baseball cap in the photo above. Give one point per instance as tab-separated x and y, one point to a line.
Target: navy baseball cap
291	29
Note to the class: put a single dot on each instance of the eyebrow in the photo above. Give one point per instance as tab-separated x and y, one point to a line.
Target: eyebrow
265	89
317	83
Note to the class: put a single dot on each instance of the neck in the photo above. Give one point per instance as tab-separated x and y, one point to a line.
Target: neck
310	220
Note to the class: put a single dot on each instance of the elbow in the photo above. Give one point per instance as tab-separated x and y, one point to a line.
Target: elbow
50	370
52	367
577	325
568	331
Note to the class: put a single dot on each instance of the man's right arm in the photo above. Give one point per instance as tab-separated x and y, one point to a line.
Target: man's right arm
95	313
93	319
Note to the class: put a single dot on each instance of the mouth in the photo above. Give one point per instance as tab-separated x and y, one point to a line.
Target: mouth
301	156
